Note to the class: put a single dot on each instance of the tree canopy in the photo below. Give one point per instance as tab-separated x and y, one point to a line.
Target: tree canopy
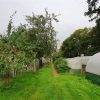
82	41
93	9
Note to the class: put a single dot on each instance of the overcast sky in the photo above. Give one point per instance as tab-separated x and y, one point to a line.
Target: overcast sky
71	18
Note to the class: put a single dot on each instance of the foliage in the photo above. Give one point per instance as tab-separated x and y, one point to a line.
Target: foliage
93	9
95	39
56	55
82	41
94	13
76	44
13	54
22	45
61	65
42	33
10	26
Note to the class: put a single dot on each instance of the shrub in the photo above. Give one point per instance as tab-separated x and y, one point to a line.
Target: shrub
61	65
56	55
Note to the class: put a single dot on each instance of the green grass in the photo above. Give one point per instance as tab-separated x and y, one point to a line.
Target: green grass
42	85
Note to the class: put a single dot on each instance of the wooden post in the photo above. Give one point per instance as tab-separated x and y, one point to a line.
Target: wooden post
83	70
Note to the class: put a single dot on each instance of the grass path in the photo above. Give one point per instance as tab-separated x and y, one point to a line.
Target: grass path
55	73
42	85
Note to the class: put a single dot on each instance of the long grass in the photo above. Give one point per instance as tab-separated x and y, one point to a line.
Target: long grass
42	85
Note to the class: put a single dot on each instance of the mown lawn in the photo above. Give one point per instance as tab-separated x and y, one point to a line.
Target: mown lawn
42	85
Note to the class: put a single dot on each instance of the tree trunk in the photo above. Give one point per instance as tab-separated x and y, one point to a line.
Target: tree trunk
40	63
7	78
83	70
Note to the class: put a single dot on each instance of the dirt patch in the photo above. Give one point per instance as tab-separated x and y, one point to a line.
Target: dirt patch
55	73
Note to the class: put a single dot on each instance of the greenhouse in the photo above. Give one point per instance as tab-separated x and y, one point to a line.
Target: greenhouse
93	65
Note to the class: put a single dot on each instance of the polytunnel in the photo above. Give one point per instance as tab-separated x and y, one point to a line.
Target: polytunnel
93	65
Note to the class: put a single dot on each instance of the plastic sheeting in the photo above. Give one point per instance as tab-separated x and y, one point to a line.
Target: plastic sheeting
93	65
77	62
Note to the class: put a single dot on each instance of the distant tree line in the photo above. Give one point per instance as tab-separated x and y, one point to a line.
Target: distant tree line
83	41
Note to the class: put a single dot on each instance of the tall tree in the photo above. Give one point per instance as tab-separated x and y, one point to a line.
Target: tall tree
42	33
94	13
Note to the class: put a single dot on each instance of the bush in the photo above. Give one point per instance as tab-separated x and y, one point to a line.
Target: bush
56	55
61	65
